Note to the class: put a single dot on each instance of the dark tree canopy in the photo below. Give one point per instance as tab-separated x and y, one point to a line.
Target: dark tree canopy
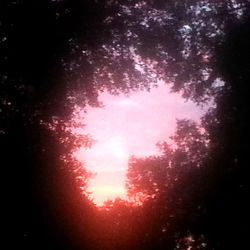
54	49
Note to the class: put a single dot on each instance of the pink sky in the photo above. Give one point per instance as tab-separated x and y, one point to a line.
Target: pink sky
128	126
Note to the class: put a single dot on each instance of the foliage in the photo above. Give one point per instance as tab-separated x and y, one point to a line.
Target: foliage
167	185
186	152
58	54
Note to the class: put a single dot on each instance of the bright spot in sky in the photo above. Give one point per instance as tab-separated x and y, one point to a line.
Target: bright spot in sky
128	126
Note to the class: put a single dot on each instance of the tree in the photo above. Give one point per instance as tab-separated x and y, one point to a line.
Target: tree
175	41
171	187
227	126
57	54
32	40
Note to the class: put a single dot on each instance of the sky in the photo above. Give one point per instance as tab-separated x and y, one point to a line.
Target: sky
128	126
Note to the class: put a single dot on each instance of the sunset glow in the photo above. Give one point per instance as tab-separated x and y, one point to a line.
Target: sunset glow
127	126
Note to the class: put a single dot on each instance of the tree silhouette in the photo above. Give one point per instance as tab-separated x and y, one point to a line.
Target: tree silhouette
220	185
227	126
170	186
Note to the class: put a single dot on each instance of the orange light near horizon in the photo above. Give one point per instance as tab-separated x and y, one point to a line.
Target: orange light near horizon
102	193
127	126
